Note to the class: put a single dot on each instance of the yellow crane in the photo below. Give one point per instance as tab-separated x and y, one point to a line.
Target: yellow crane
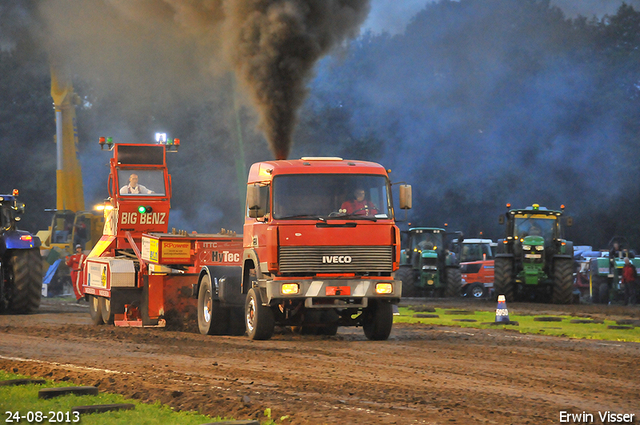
71	224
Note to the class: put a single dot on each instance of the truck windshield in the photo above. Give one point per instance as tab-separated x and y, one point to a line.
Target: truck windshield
141	182
475	252
322	196
527	225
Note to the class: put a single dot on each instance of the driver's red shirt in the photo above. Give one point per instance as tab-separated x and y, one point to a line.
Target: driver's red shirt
359	207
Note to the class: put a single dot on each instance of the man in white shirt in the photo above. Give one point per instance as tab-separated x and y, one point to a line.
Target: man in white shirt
133	187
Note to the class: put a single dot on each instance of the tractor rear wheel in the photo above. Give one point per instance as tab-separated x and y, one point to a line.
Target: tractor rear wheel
212	318
503	281
408	278
24	281
258	318
562	281
453	281
378	320
95	310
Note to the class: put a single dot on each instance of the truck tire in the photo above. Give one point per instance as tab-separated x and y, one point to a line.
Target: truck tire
378	320
95	310
476	290
503	281
212	318
258	318
330	317
453	281
562	281
408	278
25	281
105	310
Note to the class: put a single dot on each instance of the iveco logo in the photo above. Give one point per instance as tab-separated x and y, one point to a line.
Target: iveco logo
333	259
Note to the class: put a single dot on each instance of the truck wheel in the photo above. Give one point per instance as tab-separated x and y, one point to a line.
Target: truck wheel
212	318
503	281
24	279
330	317
378	320
105	310
476	290
328	330
95	310
562	281
258	318
408	278
454	282
311	323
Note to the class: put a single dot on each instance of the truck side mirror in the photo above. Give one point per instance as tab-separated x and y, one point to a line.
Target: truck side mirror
500	219
253	200
569	221
405	196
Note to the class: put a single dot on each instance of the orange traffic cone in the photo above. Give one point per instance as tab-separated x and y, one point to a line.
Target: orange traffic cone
502	313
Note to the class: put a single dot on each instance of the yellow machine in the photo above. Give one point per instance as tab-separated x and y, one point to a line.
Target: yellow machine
71	224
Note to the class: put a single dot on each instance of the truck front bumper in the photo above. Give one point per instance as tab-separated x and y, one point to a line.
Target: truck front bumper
331	293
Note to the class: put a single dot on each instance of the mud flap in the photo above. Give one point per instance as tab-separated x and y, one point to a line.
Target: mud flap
228	282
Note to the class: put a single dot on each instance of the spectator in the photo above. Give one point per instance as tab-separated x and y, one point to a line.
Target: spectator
75	263
629	277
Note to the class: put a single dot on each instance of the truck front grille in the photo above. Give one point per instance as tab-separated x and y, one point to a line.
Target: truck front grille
336	259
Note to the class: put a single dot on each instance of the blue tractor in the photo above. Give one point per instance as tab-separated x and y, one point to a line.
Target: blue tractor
20	261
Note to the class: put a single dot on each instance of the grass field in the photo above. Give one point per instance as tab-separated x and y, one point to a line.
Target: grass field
24	399
556	326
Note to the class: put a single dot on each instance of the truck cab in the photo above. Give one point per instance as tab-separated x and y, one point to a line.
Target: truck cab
320	246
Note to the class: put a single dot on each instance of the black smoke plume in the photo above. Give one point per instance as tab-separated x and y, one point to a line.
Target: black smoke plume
274	45
175	46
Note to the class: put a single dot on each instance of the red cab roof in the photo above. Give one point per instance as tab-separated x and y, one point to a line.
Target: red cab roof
262	171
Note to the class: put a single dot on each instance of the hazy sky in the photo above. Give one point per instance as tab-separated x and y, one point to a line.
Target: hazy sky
393	15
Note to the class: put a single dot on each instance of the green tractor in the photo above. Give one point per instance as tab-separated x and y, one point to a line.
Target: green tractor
534	262
606	272
427	268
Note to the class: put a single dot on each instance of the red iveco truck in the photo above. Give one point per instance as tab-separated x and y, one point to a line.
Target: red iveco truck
319	249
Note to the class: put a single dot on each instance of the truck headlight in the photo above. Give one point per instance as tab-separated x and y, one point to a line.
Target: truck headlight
384	288
526	247
290	288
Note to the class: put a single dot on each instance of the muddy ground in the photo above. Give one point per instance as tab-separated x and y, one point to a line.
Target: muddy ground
422	374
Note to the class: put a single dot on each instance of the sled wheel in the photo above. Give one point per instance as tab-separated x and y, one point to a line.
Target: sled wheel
212	319
95	310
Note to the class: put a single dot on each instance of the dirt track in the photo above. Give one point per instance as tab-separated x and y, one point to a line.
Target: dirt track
422	374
